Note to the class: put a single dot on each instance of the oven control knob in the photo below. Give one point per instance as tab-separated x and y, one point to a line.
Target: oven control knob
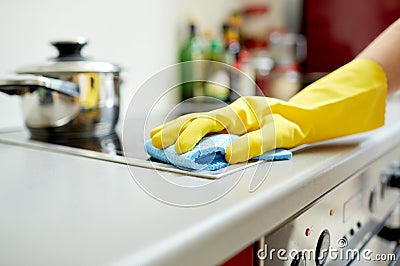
372	200
394	178
298	260
383	184
322	249
384	181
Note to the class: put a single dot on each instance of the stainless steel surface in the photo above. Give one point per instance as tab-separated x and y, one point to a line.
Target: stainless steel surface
69	60
29	83
389	249
67	67
353	213
95	112
72	96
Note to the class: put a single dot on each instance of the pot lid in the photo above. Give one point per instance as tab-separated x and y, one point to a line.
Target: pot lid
69	59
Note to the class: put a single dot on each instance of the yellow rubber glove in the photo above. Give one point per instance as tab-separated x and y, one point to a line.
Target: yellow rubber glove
349	100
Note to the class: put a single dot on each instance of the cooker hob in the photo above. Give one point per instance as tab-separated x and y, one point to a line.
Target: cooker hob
110	148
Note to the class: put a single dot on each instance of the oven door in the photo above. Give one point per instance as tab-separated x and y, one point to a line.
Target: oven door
383	248
344	226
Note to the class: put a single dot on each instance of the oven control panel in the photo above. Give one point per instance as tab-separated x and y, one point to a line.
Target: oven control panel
336	229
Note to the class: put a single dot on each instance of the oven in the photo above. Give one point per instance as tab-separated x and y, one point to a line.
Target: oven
353	224
356	223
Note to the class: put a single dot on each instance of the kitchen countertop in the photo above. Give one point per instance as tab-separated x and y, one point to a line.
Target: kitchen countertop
61	209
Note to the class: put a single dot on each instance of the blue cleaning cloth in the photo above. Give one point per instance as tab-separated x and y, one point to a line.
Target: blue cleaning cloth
208	154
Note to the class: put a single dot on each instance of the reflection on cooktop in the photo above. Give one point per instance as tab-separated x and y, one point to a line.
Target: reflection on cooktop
110	144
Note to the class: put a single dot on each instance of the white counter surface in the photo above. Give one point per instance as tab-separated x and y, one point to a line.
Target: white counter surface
60	209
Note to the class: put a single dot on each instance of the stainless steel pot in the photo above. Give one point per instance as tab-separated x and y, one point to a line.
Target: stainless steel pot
69	96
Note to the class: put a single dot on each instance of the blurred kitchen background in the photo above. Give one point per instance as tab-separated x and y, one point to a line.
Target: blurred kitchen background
281	44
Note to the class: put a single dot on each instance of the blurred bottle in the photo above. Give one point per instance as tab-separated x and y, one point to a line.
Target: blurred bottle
243	76
247	85
263	64
288	51
257	24
191	73
232	44
233	38
285	81
217	75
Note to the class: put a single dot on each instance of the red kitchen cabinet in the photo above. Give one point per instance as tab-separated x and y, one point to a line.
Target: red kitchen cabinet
337	30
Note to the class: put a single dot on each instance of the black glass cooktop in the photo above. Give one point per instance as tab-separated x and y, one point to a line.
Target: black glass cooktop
110	144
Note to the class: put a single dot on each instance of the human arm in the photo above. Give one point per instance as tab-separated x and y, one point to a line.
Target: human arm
384	50
347	101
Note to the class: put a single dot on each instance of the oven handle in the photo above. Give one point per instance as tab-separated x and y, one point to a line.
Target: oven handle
391	177
390	234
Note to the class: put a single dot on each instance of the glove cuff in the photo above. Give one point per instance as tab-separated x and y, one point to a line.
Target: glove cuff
349	100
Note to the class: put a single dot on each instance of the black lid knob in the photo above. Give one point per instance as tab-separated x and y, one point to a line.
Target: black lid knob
69	50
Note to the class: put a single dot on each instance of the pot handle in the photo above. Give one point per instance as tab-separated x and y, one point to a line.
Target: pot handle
21	84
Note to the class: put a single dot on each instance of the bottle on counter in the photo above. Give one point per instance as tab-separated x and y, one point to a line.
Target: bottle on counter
285	81
191	72
243	76
246	83
232	38
233	47
217	75
263	65
288	51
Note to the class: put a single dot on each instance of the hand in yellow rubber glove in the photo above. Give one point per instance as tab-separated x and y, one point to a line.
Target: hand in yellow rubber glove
347	101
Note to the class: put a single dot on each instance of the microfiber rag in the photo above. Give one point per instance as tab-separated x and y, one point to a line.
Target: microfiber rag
208	154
